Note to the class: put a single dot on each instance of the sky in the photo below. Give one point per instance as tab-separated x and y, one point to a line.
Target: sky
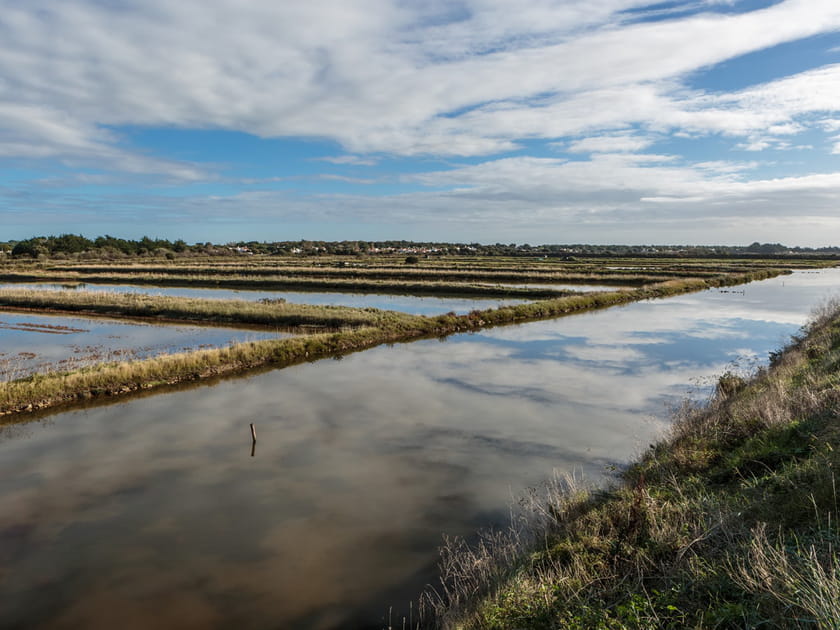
526	121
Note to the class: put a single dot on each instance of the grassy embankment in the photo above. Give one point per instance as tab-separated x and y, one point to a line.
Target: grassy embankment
368	328
731	521
265	314
290	283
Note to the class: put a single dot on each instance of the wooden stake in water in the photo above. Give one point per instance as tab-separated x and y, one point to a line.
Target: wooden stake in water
253	432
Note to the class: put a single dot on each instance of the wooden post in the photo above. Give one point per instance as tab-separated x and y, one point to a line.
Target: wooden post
253	432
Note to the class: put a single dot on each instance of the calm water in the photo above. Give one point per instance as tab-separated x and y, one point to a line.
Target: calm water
32	343
416	305
153	513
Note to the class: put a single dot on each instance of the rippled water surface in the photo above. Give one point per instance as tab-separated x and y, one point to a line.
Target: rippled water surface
154	513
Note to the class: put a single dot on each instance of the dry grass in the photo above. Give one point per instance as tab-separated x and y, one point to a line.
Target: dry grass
802	577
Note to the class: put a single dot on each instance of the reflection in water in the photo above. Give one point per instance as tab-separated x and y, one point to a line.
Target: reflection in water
151	513
416	305
36	343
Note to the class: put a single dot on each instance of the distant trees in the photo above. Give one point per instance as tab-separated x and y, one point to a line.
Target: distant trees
766	248
27	248
107	246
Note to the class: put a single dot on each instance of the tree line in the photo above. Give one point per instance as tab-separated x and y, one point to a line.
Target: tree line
76	245
102	246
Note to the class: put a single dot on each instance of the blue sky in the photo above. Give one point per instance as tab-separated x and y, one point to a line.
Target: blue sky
539	121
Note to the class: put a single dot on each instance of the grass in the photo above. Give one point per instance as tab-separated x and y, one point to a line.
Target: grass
268	313
732	520
357	329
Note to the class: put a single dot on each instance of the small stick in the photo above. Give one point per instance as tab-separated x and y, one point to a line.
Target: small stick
253	433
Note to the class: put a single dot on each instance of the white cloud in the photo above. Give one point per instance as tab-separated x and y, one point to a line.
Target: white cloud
379	76
758	144
830	124
617	143
345	179
759	114
353	160
609	198
469	78
723	166
36	132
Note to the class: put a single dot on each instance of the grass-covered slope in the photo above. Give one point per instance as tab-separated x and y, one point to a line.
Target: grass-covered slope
731	521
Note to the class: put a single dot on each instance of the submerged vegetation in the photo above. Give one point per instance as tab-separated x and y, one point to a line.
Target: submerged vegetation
732	520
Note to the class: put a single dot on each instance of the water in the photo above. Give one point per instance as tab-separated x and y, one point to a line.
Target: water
416	305
35	343
154	513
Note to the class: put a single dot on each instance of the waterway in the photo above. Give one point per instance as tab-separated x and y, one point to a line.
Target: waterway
154	512
414	304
